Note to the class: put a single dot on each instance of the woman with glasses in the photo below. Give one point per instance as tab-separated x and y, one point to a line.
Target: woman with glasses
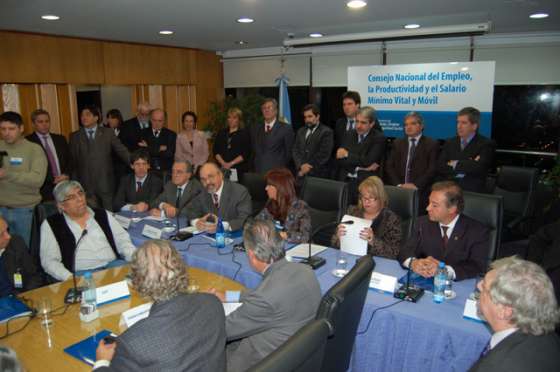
289	213
384	235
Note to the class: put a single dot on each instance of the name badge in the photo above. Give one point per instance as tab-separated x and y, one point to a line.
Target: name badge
151	232
131	316
383	283
471	311
112	292
16	161
18	280
123	221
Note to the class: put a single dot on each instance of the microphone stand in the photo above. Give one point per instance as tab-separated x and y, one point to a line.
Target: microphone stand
74	295
407	292
316	262
180	236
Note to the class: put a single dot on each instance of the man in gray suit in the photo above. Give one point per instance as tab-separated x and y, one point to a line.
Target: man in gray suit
285	300
177	193
91	147
184	332
272	142
227	200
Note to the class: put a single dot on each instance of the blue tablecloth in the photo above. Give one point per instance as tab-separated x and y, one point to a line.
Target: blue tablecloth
421	336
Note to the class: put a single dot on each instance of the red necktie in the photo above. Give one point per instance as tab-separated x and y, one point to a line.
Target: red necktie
444	237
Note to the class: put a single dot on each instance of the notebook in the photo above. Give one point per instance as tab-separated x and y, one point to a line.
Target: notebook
12	307
85	349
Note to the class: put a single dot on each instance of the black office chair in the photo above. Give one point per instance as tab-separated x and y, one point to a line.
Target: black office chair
342	306
404	202
517	186
255	183
40	213
488	210
303	352
327	201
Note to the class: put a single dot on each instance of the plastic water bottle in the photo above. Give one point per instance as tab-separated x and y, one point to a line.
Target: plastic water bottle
220	234
88	308
440	283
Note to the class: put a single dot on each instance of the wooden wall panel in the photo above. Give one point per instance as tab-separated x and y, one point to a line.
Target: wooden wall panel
49	102
209	83
28	102
171	104
155	92
67	106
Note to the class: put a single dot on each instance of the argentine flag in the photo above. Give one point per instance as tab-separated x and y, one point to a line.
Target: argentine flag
284	112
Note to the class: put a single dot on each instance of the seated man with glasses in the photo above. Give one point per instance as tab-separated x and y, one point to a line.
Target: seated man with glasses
90	237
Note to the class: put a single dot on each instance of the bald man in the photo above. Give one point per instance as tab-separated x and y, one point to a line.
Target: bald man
228	200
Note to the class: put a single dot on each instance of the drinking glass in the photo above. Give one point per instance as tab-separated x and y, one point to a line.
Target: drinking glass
44	309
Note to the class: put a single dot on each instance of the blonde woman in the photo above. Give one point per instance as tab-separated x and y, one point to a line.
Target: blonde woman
232	146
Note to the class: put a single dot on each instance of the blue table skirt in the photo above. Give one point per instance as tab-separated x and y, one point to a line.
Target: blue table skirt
404	337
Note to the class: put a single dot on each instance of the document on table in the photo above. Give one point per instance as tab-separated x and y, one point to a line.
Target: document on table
230	307
351	242
302	251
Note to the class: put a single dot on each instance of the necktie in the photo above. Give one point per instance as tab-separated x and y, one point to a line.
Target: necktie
90	134
463	144
178	200
156	133
50	156
268	128
361	138
350	125
138	186
216	201
411	150
444	236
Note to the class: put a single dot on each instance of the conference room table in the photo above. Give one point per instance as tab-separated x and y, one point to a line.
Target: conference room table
41	349
392	335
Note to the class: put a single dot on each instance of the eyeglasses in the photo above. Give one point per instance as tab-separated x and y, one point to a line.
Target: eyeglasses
368	200
74	197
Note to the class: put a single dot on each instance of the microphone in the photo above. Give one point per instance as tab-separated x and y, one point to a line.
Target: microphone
180	236
407	292
315	261
74	295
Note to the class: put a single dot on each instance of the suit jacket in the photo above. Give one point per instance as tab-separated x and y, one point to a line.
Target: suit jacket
520	352
469	173
274	149
185	333
16	256
340	130
126	193
271	313
169	195
315	150
160	160
93	165
467	248
235	205
131	134
369	151
64	161
197	154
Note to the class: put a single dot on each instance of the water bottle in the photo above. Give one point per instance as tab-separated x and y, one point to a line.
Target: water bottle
220	234
88	307
440	283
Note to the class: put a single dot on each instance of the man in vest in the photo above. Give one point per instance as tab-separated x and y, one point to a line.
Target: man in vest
80	238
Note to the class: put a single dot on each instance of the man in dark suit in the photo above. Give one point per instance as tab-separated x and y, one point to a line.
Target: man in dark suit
361	153
131	131
313	146
18	272
517	300
412	163
56	150
351	101
136	191
272	142
223	199
160	142
285	300
447	235
91	147
177	193
467	158
183	332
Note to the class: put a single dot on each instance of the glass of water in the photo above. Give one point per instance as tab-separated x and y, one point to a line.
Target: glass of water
341	268
44	310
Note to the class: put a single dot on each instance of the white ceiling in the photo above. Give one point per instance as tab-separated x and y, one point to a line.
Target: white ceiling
211	24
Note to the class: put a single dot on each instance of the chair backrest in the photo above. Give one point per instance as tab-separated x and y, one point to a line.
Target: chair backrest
404	202
517	185
303	352
342	306
255	183
488	210
327	201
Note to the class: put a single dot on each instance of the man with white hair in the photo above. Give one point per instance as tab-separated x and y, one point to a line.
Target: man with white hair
131	131
79	237
518	301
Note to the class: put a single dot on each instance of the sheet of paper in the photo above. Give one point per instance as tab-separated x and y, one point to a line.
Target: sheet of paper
131	316
230	307
471	311
153	218
233	175
351	242
302	250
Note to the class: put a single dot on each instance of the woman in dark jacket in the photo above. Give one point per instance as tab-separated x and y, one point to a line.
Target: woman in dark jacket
232	146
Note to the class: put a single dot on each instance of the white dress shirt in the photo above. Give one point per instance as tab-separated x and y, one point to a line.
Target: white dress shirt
94	250
500	336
